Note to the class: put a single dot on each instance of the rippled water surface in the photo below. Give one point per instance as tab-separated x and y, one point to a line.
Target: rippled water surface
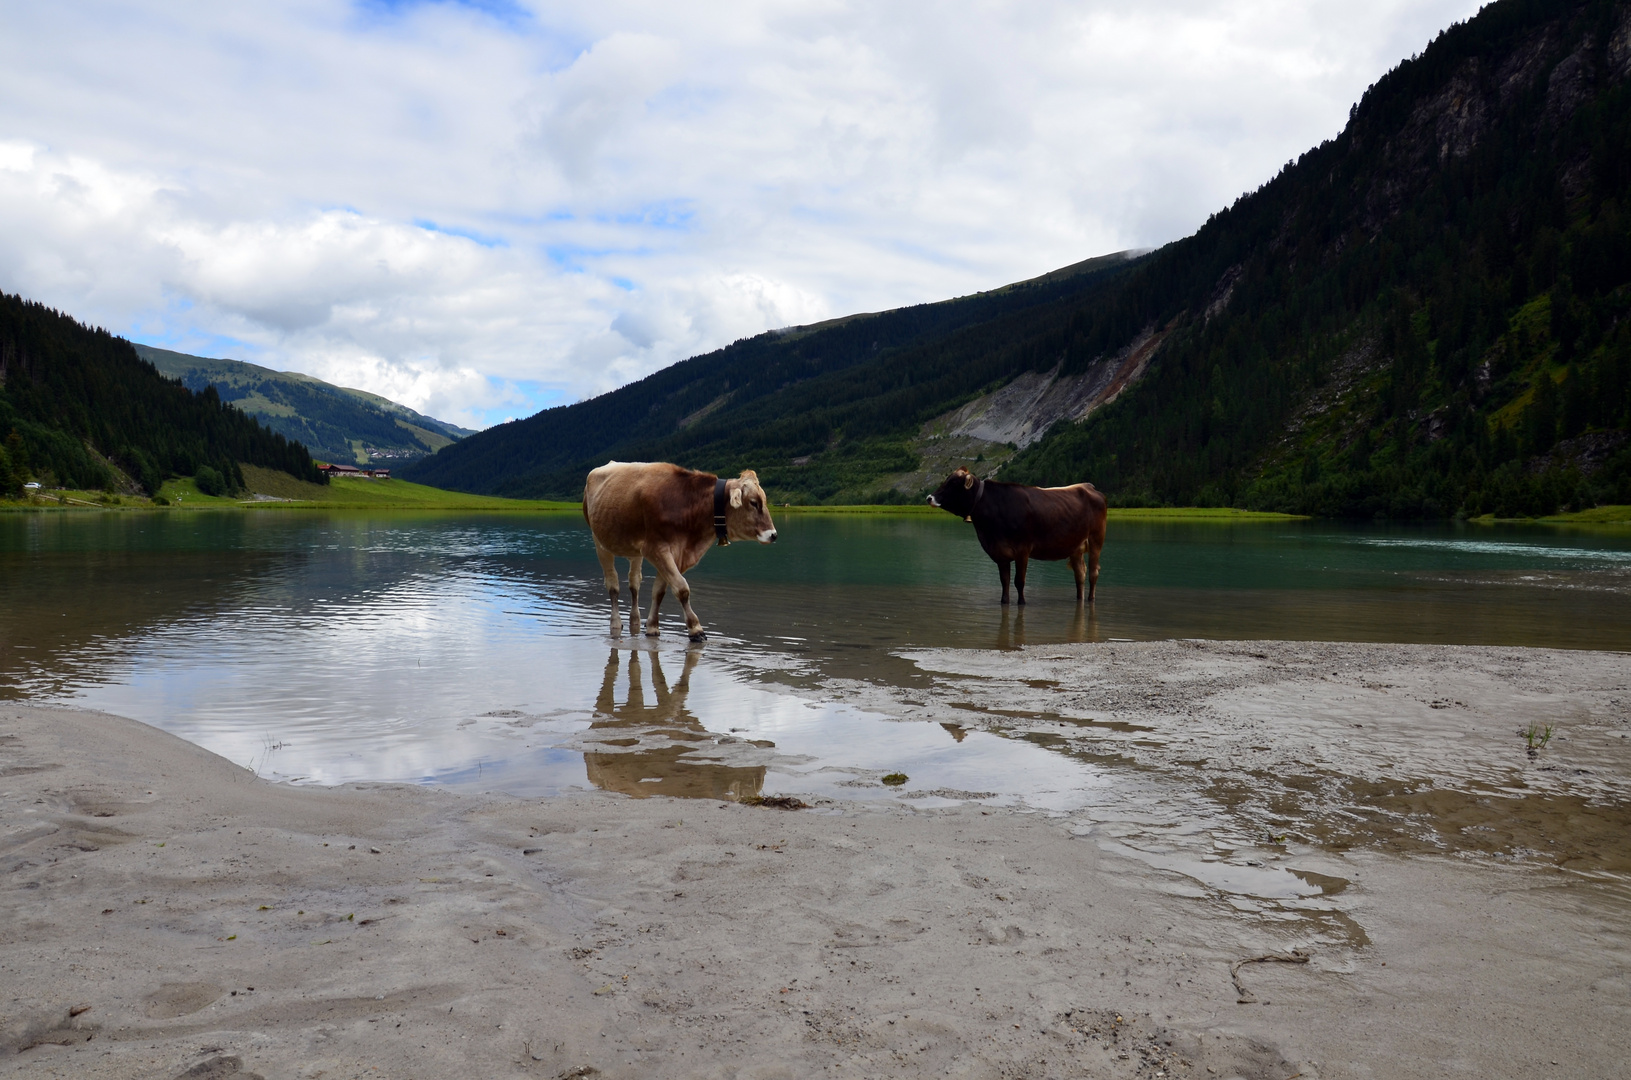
473	651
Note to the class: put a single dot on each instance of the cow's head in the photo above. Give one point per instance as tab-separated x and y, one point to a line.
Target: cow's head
956	495
747	513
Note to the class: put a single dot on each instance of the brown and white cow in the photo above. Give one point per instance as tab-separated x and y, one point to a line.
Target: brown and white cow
671	516
1017	523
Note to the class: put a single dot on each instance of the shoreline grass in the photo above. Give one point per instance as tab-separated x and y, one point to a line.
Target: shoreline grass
1598	515
1198	513
280	491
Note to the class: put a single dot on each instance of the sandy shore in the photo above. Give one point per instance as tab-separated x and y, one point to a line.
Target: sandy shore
1459	907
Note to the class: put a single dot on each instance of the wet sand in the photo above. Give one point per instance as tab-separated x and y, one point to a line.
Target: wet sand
1423	898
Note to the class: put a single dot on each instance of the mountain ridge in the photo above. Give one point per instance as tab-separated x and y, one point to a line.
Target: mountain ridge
703	399
336	422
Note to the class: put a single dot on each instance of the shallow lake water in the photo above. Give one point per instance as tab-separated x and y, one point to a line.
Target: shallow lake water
473	651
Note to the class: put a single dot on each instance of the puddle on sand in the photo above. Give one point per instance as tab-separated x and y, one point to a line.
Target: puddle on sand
645	738
651	741
651	748
644	734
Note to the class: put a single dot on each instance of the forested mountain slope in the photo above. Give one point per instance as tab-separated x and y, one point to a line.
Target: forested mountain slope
1422	316
336	423
1425	315
78	407
838	398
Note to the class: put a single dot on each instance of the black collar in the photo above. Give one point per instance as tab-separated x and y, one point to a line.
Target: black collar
719	513
979	493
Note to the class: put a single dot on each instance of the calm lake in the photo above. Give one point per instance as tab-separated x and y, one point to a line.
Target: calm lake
473	651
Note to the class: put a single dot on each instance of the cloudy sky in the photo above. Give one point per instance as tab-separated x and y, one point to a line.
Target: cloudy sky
483	208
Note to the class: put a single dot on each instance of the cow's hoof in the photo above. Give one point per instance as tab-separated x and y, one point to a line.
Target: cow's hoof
699	635
652	631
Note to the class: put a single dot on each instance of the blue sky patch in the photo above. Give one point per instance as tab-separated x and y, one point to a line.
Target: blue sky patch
506	12
673	215
464	234
535	397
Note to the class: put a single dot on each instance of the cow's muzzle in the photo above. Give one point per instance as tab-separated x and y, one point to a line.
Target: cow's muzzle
933	501
768	536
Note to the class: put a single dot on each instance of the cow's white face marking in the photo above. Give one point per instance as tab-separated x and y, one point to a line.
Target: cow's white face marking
768	536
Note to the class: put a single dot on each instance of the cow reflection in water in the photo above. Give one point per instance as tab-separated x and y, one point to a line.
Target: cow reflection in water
1084	627
664	769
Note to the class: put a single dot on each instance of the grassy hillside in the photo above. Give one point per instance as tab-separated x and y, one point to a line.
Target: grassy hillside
335	423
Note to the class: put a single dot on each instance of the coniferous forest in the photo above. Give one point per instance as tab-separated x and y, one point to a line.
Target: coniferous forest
1423	316
77	404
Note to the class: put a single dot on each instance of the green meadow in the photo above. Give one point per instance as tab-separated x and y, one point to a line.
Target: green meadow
281	489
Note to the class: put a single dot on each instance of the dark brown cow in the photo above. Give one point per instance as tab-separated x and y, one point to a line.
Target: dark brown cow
672	516
1017	523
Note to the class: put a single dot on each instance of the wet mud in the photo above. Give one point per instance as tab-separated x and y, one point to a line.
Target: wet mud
1404	748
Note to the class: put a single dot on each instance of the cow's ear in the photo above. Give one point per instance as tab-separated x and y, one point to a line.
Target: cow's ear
968	480
736	497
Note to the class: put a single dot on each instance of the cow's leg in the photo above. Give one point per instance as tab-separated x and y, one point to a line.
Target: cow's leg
1021	564
659	589
608	568
669	571
634	594
1078	567
1004	567
1093	548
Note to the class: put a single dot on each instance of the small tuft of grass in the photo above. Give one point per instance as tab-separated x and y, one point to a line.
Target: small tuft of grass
896	779
1536	736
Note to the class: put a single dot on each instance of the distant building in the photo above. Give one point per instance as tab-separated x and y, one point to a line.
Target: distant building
332	471
380	474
